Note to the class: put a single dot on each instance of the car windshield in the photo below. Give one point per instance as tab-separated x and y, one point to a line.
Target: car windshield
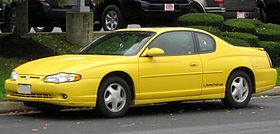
119	43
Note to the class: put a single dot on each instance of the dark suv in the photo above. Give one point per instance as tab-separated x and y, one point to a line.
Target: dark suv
269	10
228	8
109	14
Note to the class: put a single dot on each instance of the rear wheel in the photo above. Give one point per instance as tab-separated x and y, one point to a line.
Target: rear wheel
196	10
239	90
263	16
114	97
4	28
113	18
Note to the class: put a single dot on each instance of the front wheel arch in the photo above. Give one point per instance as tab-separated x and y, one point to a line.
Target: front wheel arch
124	76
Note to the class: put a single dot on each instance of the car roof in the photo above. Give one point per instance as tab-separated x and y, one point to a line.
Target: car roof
163	29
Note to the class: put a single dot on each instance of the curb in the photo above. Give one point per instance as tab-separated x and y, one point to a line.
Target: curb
9	106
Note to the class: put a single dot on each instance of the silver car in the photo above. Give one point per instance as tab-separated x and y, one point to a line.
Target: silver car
228	8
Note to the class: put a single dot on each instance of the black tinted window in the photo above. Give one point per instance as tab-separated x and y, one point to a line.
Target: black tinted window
174	43
206	43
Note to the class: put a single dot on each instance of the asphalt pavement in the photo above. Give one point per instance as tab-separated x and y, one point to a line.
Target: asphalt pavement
193	117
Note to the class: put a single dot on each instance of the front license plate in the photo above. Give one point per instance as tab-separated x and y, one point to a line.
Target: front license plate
24	89
168	7
241	15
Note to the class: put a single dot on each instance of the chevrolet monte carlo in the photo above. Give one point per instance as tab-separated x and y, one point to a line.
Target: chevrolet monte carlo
141	66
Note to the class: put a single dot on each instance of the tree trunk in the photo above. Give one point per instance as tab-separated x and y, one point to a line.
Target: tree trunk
21	26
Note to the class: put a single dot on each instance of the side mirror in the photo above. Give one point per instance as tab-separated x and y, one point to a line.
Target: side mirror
155	52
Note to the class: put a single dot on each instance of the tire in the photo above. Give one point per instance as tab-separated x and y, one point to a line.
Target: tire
239	90
11	19
263	16
44	29
113	18
4	28
118	104
196	10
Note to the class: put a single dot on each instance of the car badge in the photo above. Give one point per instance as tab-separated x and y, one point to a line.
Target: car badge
27	77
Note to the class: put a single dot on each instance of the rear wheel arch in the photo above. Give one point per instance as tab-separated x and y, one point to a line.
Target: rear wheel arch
199	6
117	3
249	72
125	76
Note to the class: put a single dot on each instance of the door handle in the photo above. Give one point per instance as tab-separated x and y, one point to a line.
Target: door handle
194	64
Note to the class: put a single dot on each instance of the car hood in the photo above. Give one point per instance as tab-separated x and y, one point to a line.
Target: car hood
63	63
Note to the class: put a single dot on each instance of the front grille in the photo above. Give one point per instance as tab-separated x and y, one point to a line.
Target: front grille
29	77
31	95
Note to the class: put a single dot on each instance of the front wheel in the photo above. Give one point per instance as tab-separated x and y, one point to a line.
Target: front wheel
114	97
239	90
11	19
113	18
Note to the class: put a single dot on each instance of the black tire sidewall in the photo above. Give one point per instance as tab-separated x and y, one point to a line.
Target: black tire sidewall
195	10
121	20
100	104
13	9
263	16
228	100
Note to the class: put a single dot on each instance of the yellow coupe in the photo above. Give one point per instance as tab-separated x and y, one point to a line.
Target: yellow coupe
141	66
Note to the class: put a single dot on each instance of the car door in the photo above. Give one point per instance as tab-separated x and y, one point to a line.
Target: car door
175	74
213	65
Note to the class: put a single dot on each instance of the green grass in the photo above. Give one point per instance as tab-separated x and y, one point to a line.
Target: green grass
6	67
58	43
278	80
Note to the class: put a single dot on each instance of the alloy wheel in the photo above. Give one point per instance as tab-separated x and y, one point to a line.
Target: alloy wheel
115	97
239	89
111	20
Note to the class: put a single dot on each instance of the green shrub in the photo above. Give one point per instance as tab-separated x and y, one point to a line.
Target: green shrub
204	19
235	25
252	21
270	26
251	39
212	30
273	48
268	34
236	41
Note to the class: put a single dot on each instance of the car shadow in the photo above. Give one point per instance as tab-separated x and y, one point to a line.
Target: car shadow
186	107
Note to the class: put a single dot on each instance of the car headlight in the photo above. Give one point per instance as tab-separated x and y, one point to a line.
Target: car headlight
14	75
62	77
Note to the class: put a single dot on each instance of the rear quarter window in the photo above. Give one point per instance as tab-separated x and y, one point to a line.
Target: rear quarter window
206	43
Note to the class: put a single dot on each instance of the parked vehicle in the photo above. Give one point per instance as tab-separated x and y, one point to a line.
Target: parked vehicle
228	8
109	15
269	10
142	66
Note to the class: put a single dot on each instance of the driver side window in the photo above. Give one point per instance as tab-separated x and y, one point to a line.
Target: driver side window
174	43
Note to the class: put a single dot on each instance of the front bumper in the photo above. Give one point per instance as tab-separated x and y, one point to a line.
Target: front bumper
82	93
